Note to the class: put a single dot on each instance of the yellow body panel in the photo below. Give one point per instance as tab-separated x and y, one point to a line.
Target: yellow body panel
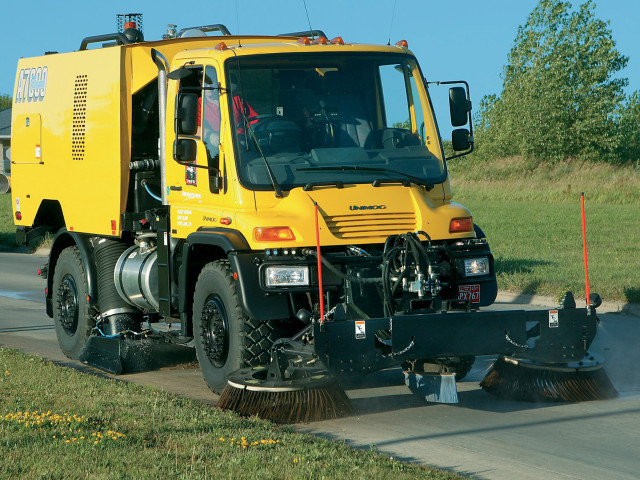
82	148
81	126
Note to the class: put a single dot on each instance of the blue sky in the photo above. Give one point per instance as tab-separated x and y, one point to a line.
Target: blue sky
466	39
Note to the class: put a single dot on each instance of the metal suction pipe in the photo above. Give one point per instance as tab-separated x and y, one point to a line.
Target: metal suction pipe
163	68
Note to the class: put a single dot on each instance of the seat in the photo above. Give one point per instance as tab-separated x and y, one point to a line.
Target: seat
344	104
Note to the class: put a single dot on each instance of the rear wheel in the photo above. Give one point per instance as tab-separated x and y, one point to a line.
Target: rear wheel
71	318
225	339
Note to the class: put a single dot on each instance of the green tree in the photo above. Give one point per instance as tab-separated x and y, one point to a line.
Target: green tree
5	101
630	129
560	98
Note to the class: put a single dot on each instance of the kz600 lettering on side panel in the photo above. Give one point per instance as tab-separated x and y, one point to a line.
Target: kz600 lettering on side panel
31	85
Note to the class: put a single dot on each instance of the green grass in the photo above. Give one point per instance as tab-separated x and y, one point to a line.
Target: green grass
531	214
7	228
59	423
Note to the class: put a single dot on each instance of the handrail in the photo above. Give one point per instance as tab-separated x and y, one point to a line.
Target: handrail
218	27
120	38
305	33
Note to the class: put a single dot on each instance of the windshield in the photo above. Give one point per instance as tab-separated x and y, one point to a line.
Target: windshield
306	114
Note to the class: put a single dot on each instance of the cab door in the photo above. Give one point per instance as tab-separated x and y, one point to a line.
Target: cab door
196	183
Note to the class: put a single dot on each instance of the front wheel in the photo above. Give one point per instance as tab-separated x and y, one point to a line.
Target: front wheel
225	339
72	321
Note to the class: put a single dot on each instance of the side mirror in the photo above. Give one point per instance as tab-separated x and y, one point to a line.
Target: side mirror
460	139
184	150
459	106
186	118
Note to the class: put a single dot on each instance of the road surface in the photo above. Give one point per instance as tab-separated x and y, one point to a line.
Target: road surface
480	436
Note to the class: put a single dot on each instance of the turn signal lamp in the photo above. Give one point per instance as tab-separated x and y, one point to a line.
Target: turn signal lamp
402	43
461	225
273	234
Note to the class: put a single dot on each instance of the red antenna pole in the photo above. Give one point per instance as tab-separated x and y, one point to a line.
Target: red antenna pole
584	247
319	266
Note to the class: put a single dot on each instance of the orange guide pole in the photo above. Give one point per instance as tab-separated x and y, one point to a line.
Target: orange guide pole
584	247
319	266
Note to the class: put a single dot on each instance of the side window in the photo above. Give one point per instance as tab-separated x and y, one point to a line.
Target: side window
211	115
191	85
211	125
188	122
417	109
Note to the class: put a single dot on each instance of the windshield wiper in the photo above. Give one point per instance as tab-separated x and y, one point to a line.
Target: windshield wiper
256	144
344	168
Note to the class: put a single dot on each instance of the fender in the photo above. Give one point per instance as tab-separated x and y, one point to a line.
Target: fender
62	240
231	244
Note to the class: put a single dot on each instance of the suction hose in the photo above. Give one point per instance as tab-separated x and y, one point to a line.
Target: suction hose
116	313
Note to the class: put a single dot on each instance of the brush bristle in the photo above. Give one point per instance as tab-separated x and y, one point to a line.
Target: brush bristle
512	381
306	405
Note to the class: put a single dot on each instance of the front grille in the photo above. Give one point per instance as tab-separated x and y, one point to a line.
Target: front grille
370	225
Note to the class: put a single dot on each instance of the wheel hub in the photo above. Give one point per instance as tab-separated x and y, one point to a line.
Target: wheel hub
68	305
215	331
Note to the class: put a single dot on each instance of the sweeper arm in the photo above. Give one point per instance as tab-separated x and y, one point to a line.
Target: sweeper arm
549	336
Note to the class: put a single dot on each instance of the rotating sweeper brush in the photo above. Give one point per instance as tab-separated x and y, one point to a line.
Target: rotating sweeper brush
305	399
529	381
293	388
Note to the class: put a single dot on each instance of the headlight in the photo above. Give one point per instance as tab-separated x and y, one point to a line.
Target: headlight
286	276
476	266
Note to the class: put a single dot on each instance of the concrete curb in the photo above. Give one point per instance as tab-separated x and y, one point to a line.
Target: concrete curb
550	302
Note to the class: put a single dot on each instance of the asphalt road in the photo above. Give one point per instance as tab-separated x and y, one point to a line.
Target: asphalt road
480	436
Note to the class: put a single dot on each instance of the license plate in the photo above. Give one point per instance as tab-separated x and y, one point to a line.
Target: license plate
469	292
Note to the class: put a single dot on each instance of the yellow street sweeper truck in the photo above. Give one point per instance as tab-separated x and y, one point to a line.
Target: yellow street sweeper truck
281	203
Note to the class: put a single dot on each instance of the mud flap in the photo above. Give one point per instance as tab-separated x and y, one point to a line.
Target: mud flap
118	355
127	354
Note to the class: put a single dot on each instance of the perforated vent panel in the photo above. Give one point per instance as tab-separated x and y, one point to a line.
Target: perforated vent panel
79	117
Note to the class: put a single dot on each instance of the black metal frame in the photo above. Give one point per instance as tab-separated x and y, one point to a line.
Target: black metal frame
531	335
